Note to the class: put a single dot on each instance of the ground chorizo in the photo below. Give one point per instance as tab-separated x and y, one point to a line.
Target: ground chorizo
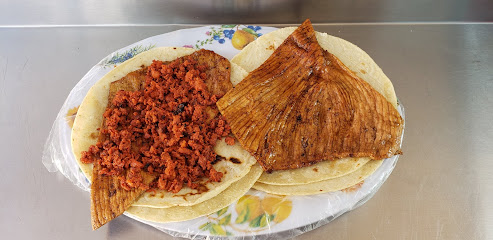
163	129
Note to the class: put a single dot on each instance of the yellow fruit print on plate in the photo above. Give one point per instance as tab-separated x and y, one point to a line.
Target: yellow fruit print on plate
278	207
239	35
250	214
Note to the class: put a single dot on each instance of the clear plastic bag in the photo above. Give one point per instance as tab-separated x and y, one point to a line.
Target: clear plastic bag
285	217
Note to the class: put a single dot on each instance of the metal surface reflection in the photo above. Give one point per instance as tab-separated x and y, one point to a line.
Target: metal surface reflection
441	187
32	12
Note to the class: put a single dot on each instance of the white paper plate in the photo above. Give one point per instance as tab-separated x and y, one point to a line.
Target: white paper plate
282	218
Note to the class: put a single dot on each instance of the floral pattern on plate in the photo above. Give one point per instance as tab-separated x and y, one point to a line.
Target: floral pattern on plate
238	35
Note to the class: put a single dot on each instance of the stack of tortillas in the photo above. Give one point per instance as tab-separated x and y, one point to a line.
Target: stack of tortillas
331	175
160	205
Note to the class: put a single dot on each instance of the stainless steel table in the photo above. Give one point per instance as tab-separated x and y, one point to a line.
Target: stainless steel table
441	188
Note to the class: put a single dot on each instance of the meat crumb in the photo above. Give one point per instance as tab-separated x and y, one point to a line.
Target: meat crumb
230	140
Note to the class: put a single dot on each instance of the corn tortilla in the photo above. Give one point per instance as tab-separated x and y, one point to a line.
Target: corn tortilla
324	186
179	213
